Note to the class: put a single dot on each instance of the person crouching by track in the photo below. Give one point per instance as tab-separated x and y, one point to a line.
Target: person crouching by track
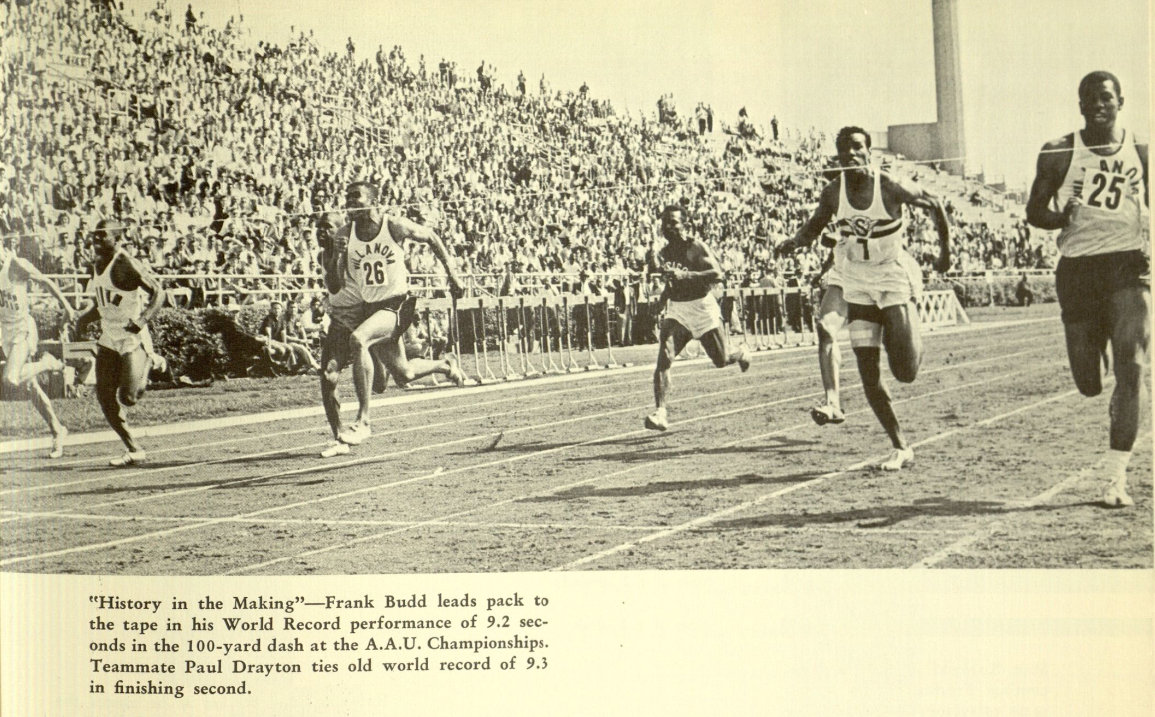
880	281
368	284
692	312
124	353
21	340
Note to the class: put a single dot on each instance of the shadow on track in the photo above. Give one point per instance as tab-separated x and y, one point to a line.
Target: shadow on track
671	486
880	517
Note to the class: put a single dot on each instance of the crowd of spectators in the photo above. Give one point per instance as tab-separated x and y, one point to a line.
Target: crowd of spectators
219	152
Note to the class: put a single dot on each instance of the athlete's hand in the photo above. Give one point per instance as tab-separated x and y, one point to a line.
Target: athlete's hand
942	263
786	248
456	290
69	315
1071	210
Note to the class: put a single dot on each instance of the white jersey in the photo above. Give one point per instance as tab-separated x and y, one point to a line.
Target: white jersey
118	308
871	235
870	263
374	270
1111	190
14	307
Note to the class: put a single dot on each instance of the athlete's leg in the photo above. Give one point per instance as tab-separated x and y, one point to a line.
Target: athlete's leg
134	368
672	339
108	374
404	369
901	336
20	376
869	360
334	357
865	337
1082	285
715	344
17	356
380	370
1086	342
379	326
44	407
1130	344
831	320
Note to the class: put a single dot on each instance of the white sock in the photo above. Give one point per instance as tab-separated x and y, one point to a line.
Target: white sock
1115	466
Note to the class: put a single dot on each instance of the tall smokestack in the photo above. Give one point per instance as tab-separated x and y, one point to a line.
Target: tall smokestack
948	84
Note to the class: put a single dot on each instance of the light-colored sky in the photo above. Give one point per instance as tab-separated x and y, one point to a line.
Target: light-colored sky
824	63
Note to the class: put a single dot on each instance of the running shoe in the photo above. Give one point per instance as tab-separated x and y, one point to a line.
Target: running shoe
743	359
58	442
336	448
1116	496
54	364
656	421
898	458
354	435
827	414
455	374
128	459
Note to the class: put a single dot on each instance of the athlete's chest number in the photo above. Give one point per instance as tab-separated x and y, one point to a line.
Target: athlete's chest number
1106	189
865	248
374	272
9	300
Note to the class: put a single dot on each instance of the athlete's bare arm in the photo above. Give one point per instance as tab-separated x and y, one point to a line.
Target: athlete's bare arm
922	199
1050	169
152	286
1141	148
401	229
333	261
812	229
27	272
90	315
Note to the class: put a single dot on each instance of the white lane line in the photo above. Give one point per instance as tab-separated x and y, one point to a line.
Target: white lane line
714	517
23	445
116	476
97	460
413	396
298	448
359	491
991	528
346	522
369	489
613	474
373	488
378	457
120	476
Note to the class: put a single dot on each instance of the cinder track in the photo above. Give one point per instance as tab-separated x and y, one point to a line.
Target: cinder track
559	475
